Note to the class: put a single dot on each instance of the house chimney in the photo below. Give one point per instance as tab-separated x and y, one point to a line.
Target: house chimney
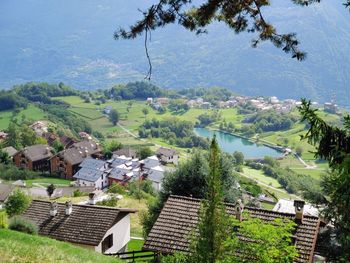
53	209
69	208
299	210
92	200
239	210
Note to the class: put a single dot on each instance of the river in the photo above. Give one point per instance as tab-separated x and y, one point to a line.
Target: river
230	143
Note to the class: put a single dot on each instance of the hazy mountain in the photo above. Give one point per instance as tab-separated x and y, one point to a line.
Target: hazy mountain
72	41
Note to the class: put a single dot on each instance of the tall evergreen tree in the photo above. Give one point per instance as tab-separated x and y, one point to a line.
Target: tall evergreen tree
213	219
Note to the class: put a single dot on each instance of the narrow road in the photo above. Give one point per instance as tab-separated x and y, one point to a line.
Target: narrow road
136	136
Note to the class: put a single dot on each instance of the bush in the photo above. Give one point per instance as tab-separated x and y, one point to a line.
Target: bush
3	219
112	202
17	203
116	189
21	224
10	172
78	193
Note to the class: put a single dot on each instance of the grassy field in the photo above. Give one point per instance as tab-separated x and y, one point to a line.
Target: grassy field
135	245
20	247
31	113
140	205
48	180
260	176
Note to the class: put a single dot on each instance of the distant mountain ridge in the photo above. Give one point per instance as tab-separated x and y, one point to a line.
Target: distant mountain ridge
72	41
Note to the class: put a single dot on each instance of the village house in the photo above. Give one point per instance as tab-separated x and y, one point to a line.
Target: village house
103	229
331	107
39	127
5	191
127	152
149	100
93	173
151	161
155	175
10	151
64	140
35	158
179	217
88	148
166	155
163	101
107	109
206	105
66	163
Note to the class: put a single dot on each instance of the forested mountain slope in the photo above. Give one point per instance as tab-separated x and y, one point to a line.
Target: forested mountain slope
72	41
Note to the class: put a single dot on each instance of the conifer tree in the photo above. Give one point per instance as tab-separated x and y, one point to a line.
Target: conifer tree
213	219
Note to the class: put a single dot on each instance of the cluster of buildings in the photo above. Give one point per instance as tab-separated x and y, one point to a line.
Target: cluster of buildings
157	103
123	168
83	161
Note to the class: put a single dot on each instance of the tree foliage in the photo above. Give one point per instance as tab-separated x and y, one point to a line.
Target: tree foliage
17	203
114	116
333	145
213	218
240	16
190	179
260	242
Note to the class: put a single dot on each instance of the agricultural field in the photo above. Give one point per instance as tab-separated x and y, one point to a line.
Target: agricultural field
261	177
30	113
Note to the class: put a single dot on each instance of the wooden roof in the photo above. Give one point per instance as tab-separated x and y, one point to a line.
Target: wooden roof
179	216
87	224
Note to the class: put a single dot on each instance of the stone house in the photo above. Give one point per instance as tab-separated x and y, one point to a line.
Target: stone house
166	155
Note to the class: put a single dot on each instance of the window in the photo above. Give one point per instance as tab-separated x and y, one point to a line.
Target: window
107	243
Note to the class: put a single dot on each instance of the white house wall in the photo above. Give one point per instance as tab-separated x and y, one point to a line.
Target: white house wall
121	236
97	184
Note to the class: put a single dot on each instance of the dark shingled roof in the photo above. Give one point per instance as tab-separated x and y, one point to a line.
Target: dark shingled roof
166	152
9	150
180	215
72	155
86	225
90	146
5	191
128	152
37	152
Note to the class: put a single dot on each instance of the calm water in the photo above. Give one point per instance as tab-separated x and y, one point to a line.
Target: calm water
230	143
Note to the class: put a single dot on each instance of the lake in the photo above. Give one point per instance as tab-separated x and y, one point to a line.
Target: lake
230	143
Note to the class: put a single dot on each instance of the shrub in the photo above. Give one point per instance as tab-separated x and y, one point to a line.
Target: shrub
112	202
78	193
3	219
116	189
17	203
21	224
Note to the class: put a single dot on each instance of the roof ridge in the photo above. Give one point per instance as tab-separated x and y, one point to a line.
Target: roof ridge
121	209
247	207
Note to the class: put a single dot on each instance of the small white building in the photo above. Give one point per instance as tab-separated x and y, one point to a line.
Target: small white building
155	175
103	229
166	155
93	173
